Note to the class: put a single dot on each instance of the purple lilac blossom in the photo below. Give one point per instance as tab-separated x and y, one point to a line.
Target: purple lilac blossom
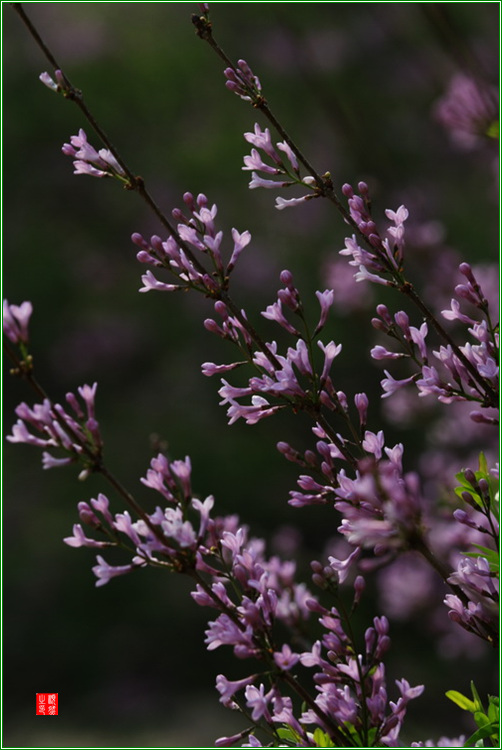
79	436
467	110
183	255
284	168
88	161
268	592
242	81
442	742
386	253
15	321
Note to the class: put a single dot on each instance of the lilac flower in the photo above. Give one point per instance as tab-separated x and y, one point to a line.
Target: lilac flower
150	283
105	572
88	395
286	658
274	312
360	257
15	321
253	742
257	701
175	527
342	567
290	155
262	139
259	182
241	240
227	688
418	336
80	540
330	351
361	401
123	523
50	462
374	443
254	162
59	429
364	275
325	300
390	385
224	631
281	203
252	413
455	314
102	505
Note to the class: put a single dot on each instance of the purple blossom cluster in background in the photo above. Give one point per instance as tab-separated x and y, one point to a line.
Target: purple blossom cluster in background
314	680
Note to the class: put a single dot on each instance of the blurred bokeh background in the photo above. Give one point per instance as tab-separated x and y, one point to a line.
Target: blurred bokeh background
356	85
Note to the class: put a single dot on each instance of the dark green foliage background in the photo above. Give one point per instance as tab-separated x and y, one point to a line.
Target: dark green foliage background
354	84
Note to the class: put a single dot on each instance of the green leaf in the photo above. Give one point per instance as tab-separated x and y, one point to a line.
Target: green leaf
463	481
483	463
493	130
481	718
461	700
286	733
477	699
467	488
481	733
493	709
321	739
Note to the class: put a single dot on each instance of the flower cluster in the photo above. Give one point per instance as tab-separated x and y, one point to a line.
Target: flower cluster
165	537
383	255
251	595
294	379
88	161
346	681
243	82
465	373
76	435
196	233
285	167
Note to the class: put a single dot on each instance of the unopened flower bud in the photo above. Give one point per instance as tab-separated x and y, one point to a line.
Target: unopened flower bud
359	586
383	311
138	239
286	278
466	270
316	566
483	486
221	308
470	476
468	498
